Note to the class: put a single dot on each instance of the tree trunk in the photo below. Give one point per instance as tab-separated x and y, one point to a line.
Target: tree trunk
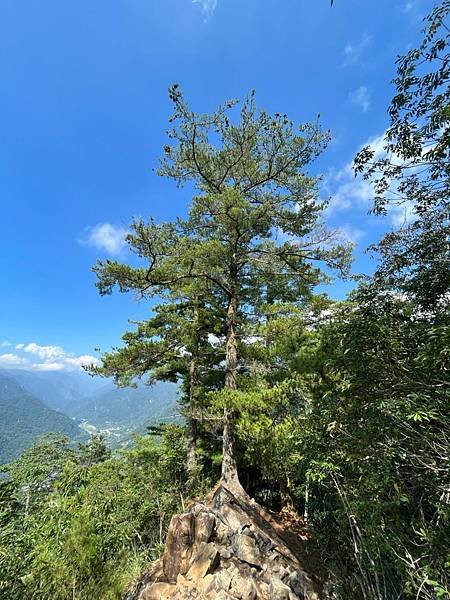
229	465
192	466
287	504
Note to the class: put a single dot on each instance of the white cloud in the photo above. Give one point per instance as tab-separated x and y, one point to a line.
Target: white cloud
105	236
415	10
346	191
5	344
360	97
49	366
11	360
213	339
409	6
353	51
37	357
402	214
43	352
208	6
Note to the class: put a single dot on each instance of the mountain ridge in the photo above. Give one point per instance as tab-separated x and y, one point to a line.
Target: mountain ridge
94	404
23	418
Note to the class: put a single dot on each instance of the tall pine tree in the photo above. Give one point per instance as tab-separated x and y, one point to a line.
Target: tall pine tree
253	231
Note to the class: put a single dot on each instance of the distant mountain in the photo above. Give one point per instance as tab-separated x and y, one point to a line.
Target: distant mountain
79	383
131	408
57	390
117	412
23	418
57	393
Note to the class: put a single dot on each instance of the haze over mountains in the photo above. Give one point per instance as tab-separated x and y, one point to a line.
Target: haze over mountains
35	403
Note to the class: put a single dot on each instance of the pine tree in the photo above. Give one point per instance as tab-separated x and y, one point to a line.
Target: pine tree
253	233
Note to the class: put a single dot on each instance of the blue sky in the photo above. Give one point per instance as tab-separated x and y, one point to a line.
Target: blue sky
83	115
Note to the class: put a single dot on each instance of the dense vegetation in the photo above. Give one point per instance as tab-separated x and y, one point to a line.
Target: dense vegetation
79	524
338	411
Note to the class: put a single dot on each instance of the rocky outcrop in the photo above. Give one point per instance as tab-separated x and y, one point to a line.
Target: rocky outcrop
227	548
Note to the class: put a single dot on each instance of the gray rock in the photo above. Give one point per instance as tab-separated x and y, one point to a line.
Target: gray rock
204	526
222	580
219	550
279	590
246	550
225	553
242	587
178	546
158	591
223	596
203	562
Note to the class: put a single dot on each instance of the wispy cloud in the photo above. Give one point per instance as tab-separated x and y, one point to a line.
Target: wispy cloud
5	344
207	6
106	237
350	193
402	214
360	97
354	50
347	192
409	6
38	357
350	233
415	10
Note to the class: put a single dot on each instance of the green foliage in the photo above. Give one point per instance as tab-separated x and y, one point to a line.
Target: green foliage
413	171
378	436
98	524
225	258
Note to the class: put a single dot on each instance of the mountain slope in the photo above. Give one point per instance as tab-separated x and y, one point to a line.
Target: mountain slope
128	407
43	386
23	418
57	390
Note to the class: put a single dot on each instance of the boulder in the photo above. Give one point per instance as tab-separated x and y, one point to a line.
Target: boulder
278	590
203	562
159	591
178	546
204	525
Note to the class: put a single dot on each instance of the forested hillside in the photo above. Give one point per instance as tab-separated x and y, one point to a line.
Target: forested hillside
23	418
313	458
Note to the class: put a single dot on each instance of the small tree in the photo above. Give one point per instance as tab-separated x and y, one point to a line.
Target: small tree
253	232
414	171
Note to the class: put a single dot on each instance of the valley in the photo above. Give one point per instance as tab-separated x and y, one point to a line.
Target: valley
33	404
